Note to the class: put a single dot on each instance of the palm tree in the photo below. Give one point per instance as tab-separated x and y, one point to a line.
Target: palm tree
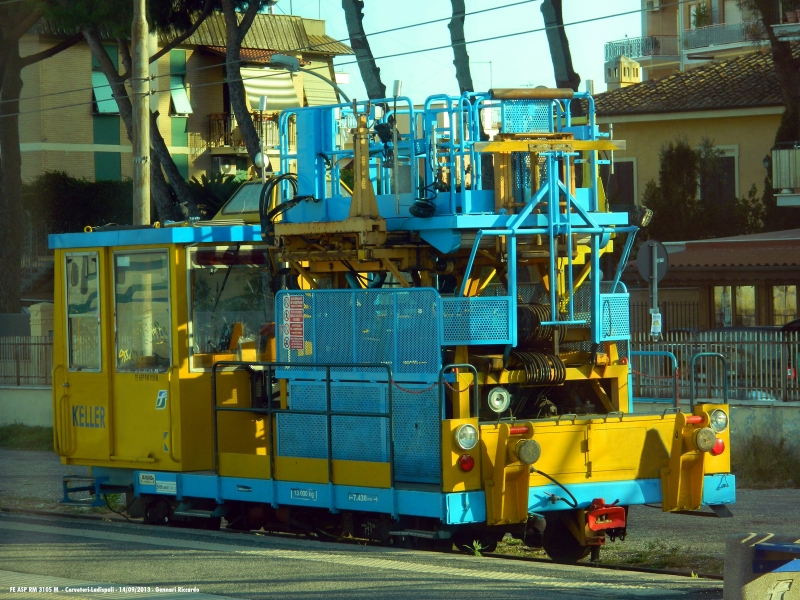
370	73
565	74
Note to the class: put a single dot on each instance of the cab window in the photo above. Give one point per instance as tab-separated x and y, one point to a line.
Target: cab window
141	294
231	302
83	311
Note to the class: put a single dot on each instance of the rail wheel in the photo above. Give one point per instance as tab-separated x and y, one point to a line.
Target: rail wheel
559	543
157	512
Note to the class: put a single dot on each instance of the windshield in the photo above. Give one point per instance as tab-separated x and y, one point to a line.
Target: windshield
231	298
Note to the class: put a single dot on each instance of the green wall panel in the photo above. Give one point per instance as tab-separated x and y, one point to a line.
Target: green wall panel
182	162
107	165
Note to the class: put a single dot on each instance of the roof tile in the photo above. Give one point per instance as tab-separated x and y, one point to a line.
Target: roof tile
746	81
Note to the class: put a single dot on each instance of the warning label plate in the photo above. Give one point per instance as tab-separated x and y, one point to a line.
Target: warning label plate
292	327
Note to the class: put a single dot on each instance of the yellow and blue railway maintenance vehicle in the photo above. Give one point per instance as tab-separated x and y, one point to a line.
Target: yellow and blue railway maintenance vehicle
426	353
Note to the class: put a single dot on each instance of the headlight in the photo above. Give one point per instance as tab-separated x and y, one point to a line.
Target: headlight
705	439
718	420
466	436
499	399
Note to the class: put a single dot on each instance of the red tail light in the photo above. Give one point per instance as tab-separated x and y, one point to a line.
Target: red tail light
466	462
719	447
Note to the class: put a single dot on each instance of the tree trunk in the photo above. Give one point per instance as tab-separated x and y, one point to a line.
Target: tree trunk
163	201
370	73
160	191
176	180
234	34
459	43
12	215
565	74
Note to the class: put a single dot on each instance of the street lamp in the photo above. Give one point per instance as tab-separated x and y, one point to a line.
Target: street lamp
291	64
261	159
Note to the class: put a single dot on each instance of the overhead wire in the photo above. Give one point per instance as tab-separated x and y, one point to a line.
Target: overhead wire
267	54
352	62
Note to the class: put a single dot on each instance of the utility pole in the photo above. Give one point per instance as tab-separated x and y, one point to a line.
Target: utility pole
140	87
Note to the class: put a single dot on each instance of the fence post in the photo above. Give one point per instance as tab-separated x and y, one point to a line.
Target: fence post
784	370
16	362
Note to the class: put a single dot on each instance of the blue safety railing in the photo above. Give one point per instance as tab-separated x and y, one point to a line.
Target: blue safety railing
716	355
268	410
675	400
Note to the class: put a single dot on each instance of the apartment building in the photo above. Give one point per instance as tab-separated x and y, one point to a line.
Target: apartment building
71	123
677	36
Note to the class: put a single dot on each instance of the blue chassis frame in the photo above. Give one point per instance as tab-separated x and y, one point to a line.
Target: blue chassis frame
456	508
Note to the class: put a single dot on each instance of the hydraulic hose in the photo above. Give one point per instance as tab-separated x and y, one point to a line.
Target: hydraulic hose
268	218
554	498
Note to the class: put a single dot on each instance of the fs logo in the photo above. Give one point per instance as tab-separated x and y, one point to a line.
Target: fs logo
161	400
779	590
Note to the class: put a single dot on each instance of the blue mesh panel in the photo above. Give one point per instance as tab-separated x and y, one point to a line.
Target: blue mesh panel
523	116
476	321
333	328
360	438
398	328
417	435
521	168
302	436
418	347
374	336
306	395
615	323
358	397
582	302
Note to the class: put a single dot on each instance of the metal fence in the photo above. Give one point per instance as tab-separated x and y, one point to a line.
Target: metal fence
223	130
26	360
761	365
651	45
718	35
683	315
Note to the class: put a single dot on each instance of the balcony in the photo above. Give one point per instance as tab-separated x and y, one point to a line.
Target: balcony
641	47
720	35
786	174
224	133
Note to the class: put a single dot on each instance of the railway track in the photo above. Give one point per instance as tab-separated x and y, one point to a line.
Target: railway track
494	555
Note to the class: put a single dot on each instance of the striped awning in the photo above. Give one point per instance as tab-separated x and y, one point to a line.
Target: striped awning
180	99
319	93
277	86
103	98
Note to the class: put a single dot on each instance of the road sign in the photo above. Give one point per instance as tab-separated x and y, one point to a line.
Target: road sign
644	260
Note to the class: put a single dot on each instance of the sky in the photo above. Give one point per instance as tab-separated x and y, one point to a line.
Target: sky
522	60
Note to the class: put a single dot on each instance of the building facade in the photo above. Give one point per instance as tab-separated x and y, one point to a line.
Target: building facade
70	122
682	35
736	104
739	281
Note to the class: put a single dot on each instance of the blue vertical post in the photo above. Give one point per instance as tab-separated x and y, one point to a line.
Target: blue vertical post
568	228
552	226
597	309
512	285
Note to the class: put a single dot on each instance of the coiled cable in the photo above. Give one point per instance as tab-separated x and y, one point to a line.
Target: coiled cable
541	368
530	329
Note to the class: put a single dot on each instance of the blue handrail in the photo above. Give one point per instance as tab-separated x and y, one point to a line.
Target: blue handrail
670	355
724	377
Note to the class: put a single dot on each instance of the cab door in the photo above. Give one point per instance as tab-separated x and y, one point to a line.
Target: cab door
146	424
81	375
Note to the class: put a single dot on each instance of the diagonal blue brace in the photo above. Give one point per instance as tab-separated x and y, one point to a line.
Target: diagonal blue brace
518	219
623	260
578	208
